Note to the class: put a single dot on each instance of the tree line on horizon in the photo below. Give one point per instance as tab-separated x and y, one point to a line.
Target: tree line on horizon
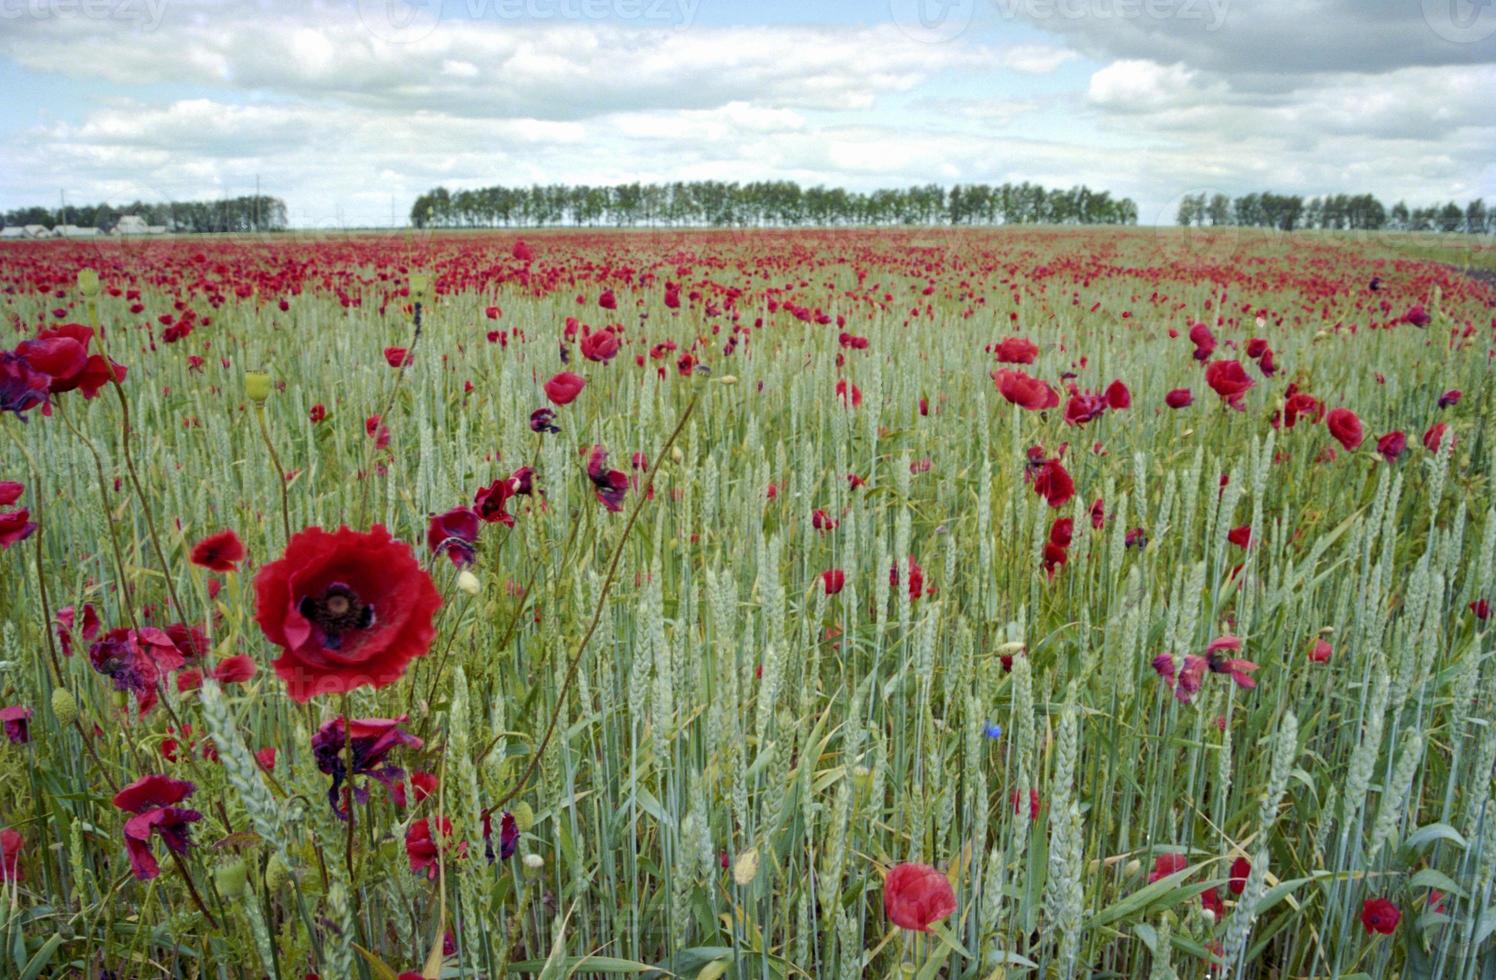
250	213
1335	212
779	203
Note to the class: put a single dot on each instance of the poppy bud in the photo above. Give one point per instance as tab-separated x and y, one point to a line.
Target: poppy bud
276	874
257	386
229	878
468	582
1131	868
728	379
64	706
534	864
676	455
524	816
88	282
745	868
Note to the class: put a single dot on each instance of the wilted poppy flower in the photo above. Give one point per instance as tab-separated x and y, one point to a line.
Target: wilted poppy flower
1016	350
833	579
1240	670
347	609
1392	445
1083	407
372	740
15	526
1345	427
1136	538
1179	398
1240	869
454	534
235	670
1380	915
600	345
611	485
916	895
136	660
11	843
221	552
1024	391
543	420
64	626
17	722
1229	380
421	848
564	388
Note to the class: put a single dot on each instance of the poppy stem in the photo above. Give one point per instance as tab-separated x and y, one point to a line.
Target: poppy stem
389	401
280	471
197	899
597	613
39	496
348	752
119	559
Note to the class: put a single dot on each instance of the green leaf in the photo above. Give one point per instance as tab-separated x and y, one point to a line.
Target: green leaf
1434	878
42	958
1435	831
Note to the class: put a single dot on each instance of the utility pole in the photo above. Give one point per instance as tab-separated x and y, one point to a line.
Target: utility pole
257	202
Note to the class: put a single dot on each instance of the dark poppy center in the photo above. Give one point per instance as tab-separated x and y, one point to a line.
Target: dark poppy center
336	612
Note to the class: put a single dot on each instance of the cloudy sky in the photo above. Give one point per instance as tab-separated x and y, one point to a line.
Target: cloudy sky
349	109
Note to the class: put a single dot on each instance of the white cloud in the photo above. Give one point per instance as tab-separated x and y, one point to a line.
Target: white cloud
1036	59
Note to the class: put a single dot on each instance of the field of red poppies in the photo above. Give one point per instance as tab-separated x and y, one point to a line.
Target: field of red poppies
776	604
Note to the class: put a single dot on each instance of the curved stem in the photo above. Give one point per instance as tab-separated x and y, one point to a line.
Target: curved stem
368	476
119	560
280	471
38	496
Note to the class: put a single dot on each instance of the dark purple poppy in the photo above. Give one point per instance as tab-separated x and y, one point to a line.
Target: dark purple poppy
153	800
22	387
373	739
611	484
17	720
543	420
508	836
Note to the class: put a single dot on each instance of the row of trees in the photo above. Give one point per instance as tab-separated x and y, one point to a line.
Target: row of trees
237	214
766	203
1336	212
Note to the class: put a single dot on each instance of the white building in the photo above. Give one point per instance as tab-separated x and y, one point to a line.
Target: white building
75	231
39	231
12	231
134	224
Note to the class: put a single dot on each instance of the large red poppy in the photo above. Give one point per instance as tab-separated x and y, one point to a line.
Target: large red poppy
347	609
1345	427
1025	391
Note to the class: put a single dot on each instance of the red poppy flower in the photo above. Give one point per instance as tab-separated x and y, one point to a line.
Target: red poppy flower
916	578
564	387
850	394
235	670
1435	436
490	502
397	357
1380	915
607	300
1450	397
1240	868
1345	427
1167	864
317	413
1117	396
346	608
221	552
1481	609
600	345
11	843
916	895
1016	350
1210	898
15	526
1204	341
10	492
1230	381
1392	445
1083	407
833	579
1417	316
1052	482
1240	536
423	783
1320	652
1179	398
455	534
421	848
1024	391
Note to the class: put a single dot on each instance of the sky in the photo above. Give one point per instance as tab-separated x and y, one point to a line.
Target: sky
347	110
